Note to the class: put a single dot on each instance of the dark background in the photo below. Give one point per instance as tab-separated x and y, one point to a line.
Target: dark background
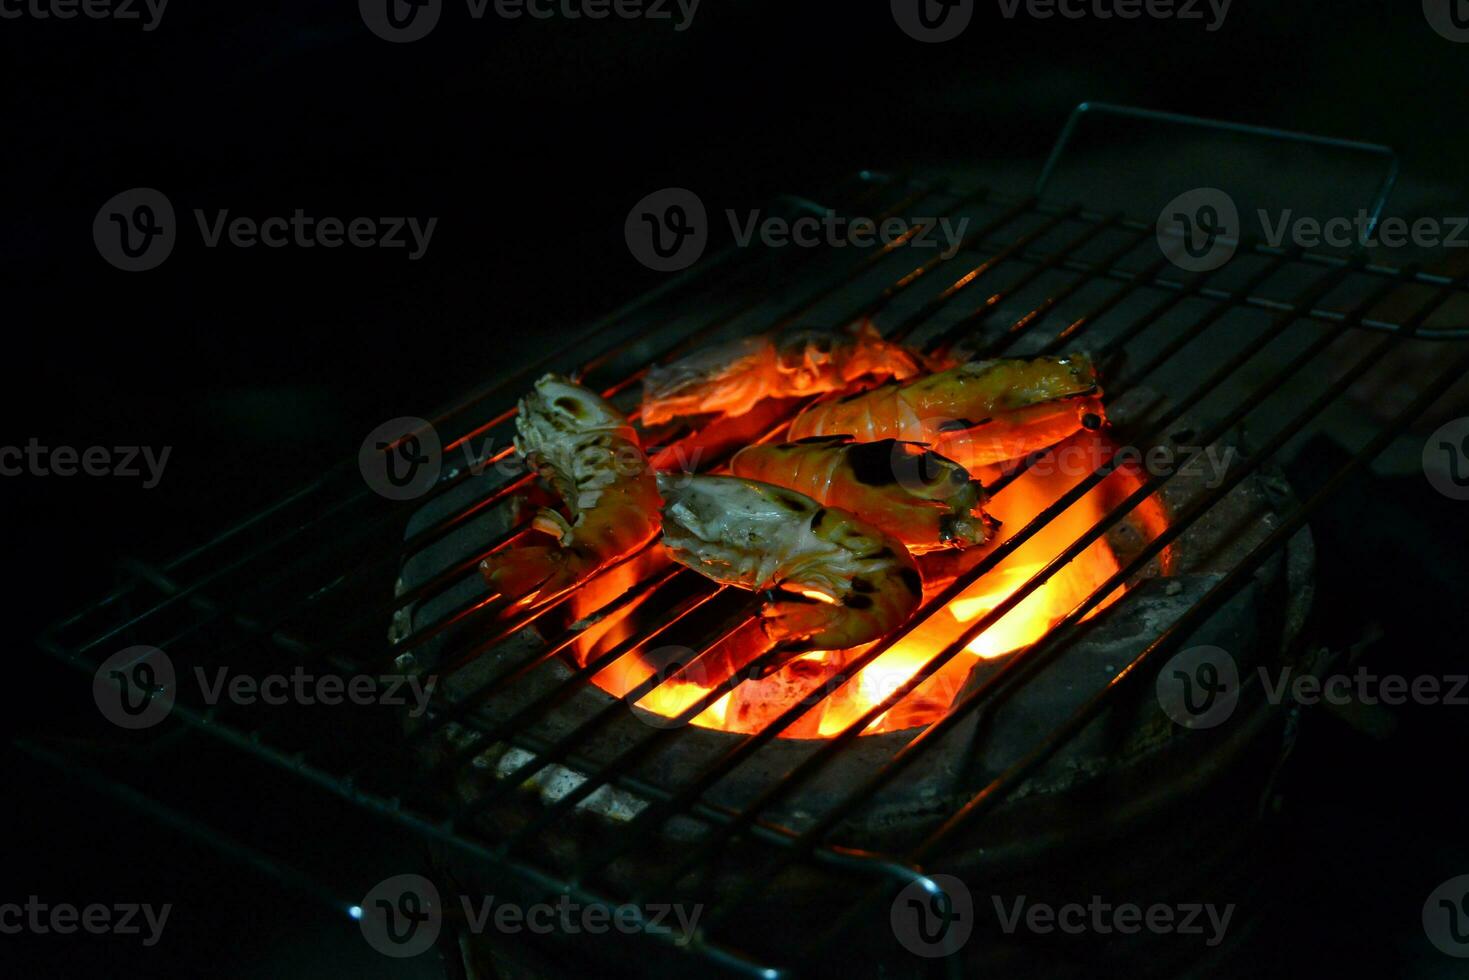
530	141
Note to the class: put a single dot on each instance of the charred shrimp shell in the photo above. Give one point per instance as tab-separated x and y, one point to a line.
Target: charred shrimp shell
732	377
841	582
589	454
922	499
976	414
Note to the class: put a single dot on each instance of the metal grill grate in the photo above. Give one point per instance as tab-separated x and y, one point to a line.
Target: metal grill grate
310	580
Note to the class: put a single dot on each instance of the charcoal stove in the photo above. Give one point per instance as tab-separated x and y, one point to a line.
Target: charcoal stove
1053	770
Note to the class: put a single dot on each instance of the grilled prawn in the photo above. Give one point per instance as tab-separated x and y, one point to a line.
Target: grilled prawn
976	414
841	582
915	495
730	378
589	454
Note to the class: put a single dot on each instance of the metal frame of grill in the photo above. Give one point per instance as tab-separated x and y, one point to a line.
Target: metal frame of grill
287	579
